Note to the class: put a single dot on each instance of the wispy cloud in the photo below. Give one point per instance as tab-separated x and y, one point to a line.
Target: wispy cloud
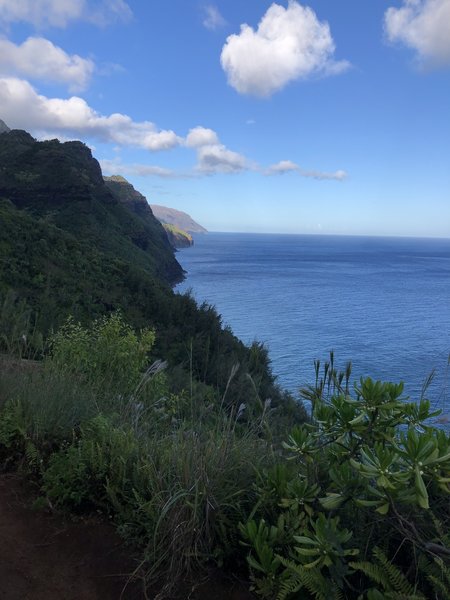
212	18
116	167
287	166
289	44
59	13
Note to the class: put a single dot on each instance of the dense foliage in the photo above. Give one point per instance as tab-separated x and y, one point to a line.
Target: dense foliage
358	507
72	246
144	407
98	428
352	504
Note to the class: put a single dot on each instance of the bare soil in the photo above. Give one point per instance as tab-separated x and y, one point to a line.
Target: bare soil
46	556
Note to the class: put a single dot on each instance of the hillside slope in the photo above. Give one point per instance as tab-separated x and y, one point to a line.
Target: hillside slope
68	246
177	237
180	219
136	202
62	184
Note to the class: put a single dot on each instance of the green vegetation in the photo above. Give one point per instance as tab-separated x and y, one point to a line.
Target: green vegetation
358	507
137	403
177	237
70	245
99	429
62	185
353	503
137	203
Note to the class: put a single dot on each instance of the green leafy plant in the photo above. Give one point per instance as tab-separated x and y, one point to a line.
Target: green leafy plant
369	467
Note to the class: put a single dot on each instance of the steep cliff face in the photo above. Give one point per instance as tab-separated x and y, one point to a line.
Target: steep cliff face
125	192
63	184
177	237
128	195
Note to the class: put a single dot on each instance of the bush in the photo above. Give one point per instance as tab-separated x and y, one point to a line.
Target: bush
109	355
359	505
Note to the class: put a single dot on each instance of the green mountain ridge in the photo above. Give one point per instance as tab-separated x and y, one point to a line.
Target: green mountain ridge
69	245
78	201
135	201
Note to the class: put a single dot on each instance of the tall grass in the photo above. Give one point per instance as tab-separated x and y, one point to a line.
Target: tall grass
175	472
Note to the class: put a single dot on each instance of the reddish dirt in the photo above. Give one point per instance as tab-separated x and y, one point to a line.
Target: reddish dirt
44	556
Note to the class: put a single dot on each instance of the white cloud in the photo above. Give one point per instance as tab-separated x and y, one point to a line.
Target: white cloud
213	19
59	13
114	167
339	175
201	136
290	43
212	155
24	108
424	26
38	58
287	166
284	166
218	159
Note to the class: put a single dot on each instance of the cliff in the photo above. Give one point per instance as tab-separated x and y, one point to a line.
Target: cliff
177	237
62	184
125	192
179	219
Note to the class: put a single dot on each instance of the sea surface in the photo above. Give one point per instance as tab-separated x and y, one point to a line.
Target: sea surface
382	303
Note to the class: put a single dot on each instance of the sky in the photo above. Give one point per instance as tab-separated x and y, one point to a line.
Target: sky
280	117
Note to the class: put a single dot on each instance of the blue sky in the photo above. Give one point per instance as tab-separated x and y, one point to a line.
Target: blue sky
318	117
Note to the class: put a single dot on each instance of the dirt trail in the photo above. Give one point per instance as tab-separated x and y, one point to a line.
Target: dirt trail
44	556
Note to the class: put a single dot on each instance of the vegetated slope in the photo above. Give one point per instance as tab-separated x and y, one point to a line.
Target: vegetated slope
177	237
180	219
68	246
135	201
63	185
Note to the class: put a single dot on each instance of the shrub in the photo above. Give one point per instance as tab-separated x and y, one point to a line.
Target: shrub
369	471
108	355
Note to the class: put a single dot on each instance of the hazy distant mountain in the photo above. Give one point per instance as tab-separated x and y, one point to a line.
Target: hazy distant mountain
4	127
177	218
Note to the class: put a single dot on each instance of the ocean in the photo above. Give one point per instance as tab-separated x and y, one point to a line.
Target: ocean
381	303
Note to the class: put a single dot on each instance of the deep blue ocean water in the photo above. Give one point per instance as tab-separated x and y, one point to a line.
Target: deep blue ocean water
383	303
